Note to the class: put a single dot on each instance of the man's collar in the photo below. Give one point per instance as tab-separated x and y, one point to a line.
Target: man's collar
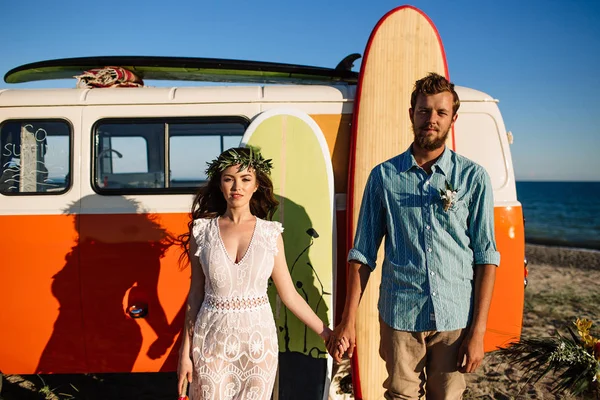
443	163
407	161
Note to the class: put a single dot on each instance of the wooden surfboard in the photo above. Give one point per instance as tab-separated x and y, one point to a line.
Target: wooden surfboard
188	69
403	47
303	183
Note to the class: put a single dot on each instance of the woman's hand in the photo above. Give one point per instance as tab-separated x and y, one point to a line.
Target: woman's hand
184	374
326	334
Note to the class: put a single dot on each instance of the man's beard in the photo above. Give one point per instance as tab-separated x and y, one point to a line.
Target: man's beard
430	144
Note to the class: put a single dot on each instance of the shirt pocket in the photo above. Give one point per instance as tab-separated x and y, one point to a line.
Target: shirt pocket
456	215
404	278
458	206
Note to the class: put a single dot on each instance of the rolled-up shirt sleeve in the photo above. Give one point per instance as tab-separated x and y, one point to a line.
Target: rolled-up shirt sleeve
370	228
481	222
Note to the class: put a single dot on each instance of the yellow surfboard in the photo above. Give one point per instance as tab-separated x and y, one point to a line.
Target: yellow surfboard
303	183
403	47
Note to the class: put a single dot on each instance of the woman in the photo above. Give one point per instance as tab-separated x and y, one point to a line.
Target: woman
229	349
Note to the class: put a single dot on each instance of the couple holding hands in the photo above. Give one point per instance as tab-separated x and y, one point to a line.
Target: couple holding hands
435	210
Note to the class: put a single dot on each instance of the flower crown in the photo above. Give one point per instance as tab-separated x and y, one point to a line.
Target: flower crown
232	157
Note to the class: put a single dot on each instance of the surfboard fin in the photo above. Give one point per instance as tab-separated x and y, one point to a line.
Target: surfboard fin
348	62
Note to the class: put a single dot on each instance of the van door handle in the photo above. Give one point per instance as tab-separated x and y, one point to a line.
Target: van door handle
137	311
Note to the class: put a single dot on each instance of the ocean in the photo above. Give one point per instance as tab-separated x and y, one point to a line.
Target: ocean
561	213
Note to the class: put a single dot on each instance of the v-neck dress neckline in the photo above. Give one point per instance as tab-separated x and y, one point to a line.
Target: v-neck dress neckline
223	243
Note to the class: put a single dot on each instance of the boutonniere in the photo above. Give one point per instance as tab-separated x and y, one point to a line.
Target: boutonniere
448	196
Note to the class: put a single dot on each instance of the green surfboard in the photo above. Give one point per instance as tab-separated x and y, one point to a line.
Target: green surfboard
188	69
303	183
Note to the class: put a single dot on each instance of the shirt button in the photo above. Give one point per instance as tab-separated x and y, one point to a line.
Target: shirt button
432	273
428	227
426	204
433	293
429	249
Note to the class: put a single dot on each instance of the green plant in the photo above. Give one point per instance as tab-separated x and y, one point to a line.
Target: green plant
573	361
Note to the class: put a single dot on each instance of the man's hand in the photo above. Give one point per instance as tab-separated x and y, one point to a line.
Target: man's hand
470	354
342	340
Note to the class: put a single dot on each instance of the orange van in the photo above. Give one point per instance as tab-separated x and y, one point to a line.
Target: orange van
96	183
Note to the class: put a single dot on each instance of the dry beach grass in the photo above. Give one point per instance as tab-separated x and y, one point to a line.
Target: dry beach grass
563	285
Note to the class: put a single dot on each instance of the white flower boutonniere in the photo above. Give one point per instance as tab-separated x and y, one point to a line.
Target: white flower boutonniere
448	196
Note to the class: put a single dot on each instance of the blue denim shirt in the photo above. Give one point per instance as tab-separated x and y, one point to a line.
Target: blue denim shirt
430	254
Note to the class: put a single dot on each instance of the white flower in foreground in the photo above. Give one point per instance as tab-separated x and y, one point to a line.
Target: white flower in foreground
448	196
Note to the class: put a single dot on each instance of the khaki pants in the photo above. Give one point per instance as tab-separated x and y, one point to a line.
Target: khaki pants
421	363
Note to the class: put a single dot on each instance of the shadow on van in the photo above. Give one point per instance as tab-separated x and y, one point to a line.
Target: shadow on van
302	362
111	274
110	277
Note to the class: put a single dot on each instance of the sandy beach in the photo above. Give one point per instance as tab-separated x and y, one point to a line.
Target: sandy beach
563	285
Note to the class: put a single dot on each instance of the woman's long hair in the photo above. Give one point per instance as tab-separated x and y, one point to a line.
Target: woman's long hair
209	201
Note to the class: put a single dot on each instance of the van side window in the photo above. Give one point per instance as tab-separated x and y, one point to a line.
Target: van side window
35	157
159	155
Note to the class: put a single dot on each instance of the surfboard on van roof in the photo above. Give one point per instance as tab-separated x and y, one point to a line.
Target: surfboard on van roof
189	69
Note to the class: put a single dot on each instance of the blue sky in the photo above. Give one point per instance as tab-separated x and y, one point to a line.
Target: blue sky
539	58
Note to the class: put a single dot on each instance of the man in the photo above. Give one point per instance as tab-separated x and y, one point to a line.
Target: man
435	209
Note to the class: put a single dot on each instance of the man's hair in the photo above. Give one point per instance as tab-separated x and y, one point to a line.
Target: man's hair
434	84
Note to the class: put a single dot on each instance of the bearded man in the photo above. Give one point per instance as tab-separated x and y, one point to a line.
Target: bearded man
435	209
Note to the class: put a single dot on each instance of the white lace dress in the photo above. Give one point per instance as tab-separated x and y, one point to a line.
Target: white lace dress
234	348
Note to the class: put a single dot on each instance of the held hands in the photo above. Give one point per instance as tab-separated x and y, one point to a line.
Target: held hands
326	334
160	346
335	347
342	340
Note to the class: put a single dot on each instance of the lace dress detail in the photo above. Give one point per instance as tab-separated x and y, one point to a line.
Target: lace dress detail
234	347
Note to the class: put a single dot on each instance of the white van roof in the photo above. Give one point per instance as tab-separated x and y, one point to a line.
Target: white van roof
472	95
195	95
175	95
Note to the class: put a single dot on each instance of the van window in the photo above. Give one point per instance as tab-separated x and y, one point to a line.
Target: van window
159	155
35	157
134	154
